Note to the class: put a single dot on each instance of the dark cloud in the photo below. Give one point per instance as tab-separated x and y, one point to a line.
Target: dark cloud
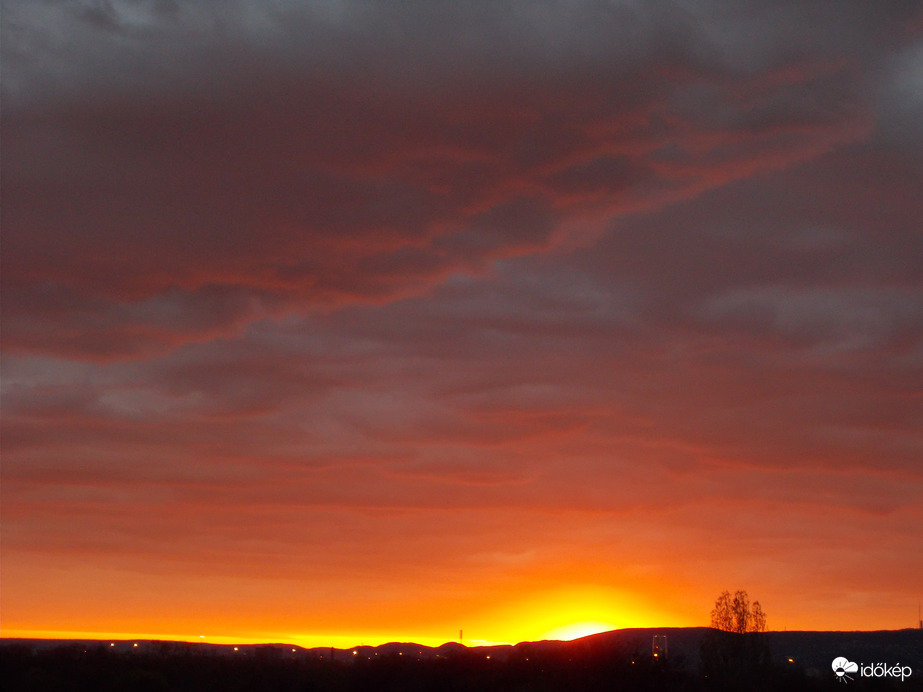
294	184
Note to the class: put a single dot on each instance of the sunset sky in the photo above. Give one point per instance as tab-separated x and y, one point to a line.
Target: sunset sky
348	322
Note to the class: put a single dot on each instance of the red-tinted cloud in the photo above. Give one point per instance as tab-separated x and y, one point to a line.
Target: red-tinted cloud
189	211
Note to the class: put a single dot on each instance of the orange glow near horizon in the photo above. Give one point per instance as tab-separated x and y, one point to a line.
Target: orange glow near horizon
527	604
564	633
563	614
557	613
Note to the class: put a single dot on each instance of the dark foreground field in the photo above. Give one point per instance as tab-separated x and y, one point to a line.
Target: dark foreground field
697	659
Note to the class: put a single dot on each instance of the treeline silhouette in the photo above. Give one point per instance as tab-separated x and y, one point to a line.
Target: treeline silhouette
725	661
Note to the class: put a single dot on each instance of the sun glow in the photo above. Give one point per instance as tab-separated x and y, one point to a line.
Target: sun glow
578	630
570	613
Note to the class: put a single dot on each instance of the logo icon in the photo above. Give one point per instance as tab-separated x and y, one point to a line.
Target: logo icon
842	666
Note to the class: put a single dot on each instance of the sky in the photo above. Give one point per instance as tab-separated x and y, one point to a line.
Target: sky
349	322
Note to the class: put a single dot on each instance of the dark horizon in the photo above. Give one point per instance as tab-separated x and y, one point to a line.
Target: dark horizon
683	658
430	647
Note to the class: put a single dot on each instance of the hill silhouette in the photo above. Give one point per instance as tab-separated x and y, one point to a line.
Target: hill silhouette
697	658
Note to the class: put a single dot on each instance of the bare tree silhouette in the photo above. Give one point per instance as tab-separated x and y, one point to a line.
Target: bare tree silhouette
735	614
